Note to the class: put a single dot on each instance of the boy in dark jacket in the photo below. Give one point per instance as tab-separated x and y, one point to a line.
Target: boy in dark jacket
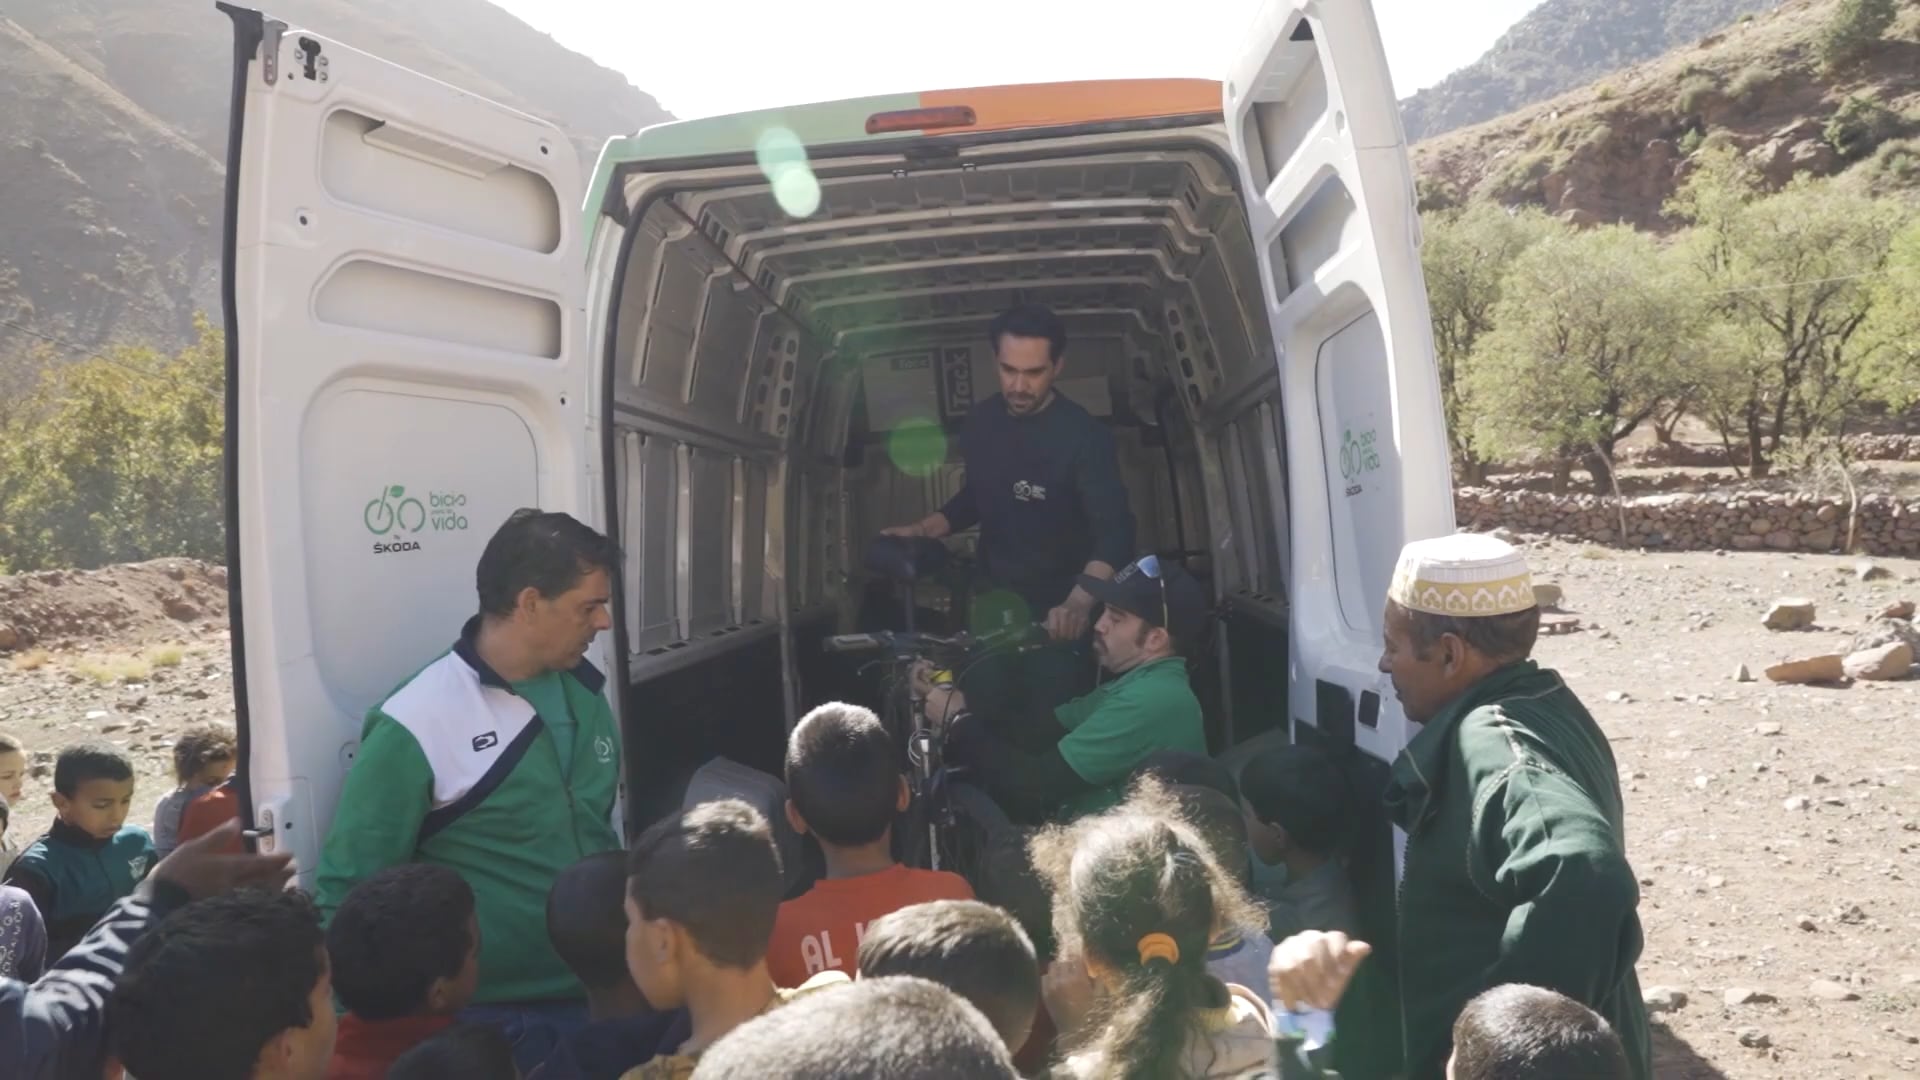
91	857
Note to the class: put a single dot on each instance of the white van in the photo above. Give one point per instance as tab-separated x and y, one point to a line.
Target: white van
426	330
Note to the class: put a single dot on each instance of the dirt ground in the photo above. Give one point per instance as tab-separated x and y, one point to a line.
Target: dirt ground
1743	898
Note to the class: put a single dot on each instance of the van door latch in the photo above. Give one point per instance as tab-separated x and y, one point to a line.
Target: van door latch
270	50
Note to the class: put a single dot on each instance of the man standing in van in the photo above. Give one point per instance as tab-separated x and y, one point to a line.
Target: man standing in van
1043	484
501	760
1516	865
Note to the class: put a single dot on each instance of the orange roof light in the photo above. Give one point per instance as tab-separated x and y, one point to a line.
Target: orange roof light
948	116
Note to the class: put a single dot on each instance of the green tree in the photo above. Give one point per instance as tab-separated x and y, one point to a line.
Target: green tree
1892	331
116	458
1792	277
1466	255
1855	26
1588	336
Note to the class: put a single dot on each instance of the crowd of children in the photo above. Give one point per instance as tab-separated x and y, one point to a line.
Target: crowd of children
1132	943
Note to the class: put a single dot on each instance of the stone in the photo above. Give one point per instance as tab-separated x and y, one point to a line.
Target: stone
1619	697
1747	995
1664	999
1753	1038
1886	632
97	714
1805	922
1768	727
1742	674
1716	881
1868	570
1813	669
1902	610
1828	990
1547	595
9	638
1782	541
1790	613
1886	663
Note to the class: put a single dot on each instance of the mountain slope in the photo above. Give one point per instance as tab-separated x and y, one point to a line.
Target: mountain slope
114	140
1558	46
1617	150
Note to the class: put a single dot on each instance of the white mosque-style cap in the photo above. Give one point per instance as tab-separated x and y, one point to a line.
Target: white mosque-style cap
1466	574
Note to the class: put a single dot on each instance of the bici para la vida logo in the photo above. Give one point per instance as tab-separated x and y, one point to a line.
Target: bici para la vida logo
397	520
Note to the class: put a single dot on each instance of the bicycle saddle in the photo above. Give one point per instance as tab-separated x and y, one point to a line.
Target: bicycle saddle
904	558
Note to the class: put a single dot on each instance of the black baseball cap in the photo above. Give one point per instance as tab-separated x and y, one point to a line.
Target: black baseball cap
1161	593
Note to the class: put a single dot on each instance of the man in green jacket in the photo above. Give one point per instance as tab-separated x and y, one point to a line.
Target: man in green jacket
1516	868
501	760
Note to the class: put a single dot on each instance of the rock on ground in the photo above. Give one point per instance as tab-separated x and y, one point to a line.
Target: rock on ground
1790	613
1813	669
1888	662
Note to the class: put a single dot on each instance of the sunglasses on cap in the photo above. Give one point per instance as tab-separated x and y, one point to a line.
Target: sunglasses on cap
1147	566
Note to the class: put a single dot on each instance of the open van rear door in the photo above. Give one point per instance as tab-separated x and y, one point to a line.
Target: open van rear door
1329	192
406	365
1311	115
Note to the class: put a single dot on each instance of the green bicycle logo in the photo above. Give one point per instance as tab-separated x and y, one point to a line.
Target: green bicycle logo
394	509
1358	456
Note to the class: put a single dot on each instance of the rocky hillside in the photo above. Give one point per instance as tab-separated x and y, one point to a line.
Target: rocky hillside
1560	45
113	139
1616	149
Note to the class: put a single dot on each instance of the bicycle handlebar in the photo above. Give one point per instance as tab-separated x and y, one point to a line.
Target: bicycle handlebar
903	641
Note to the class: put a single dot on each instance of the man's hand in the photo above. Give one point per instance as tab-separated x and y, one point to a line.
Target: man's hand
934	526
1068	622
199	868
915	529
1313	969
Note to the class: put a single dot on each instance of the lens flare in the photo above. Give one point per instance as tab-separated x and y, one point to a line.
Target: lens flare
917	447
783	161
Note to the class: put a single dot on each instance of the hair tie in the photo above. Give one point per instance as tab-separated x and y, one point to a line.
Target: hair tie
1158	946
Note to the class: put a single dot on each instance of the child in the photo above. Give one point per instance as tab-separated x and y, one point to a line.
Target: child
897	1028
1237	955
233	987
1525	1033
467	1052
1136	898
405	951
203	758
845	787
13	785
703	888
1009	882
976	951
587	923
1296	801
90	857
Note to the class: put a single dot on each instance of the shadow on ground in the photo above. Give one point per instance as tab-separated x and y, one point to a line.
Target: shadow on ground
1673	1059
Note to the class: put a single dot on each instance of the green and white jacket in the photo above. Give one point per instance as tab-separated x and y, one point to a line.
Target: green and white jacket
456	767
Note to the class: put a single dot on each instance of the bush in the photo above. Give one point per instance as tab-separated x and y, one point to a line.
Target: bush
1696	91
1690	142
116	458
1519	179
1859	125
1604	92
1855	27
1895	165
1749	85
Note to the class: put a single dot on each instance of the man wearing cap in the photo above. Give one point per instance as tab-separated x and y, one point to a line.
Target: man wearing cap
1078	757
1516	867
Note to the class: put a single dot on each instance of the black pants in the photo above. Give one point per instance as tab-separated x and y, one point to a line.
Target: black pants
1008	685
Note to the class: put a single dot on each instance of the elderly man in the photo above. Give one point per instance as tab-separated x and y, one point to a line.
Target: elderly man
1516	866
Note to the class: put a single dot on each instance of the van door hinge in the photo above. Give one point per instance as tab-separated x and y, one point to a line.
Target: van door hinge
270	50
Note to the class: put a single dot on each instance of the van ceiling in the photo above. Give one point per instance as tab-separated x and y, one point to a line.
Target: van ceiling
1138	240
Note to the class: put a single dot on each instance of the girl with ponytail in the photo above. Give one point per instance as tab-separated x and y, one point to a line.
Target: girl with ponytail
1137	895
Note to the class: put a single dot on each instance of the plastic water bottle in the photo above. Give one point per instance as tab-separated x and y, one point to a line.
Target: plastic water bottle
1302	1043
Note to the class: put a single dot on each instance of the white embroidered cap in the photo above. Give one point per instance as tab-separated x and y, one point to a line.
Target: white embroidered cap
1466	574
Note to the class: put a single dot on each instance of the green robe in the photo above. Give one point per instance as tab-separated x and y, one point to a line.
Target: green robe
1516	866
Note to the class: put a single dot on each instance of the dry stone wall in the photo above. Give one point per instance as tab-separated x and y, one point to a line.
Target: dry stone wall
1740	521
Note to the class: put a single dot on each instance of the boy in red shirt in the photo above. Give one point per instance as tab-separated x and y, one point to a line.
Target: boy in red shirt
844	786
405	952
